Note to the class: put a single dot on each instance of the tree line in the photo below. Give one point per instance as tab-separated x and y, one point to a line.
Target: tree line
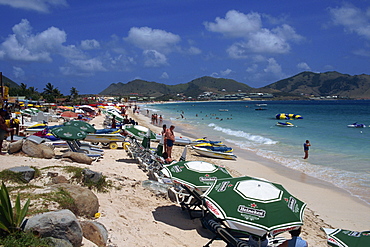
50	93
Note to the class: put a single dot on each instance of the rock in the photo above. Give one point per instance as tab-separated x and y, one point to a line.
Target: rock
78	157
37	150
91	176
61	224
95	232
27	172
86	202
59	180
15	147
57	242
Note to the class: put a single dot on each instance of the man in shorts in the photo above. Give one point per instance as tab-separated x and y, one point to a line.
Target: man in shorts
170	139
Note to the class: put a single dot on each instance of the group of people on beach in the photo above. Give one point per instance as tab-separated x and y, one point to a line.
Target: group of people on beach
8	125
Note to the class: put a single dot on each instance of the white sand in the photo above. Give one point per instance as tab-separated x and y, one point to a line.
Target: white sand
135	216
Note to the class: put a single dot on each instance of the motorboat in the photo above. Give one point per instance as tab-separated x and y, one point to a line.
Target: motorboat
220	148
204	140
286	124
356	125
214	154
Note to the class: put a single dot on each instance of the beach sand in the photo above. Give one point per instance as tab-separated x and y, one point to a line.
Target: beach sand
135	216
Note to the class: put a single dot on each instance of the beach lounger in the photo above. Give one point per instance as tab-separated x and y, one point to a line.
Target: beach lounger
73	148
221	233
88	146
192	202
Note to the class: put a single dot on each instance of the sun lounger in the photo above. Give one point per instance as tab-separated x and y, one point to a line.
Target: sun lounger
90	154
193	203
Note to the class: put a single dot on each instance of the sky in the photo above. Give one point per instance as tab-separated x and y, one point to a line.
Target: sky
90	44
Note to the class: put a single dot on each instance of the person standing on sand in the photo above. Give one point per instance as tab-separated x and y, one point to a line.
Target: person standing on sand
170	139
306	147
164	130
296	240
3	129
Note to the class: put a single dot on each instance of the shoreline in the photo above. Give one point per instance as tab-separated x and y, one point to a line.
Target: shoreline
334	205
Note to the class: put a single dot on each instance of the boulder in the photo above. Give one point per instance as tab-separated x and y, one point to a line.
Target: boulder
15	147
57	242
37	150
61	224
78	157
86	202
27	173
91	176
95	232
59	180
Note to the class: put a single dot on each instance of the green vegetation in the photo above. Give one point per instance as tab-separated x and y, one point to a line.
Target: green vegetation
23	239
9	176
11	219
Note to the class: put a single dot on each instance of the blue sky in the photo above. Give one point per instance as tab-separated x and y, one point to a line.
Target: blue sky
89	44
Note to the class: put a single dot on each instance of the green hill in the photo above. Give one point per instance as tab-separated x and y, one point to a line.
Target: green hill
324	84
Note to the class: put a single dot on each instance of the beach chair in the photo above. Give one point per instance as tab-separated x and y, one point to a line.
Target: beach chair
221	233
191	201
73	148
87	146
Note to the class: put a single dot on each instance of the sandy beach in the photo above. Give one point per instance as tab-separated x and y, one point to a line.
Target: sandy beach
135	216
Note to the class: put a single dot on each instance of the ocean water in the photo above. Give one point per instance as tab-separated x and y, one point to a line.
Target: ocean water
338	154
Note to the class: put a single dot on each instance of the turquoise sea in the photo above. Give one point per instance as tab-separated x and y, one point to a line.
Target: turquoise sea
338	154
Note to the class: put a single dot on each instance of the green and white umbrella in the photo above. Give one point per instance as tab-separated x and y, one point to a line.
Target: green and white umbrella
139	132
346	238
81	125
68	133
255	206
159	150
115	114
195	174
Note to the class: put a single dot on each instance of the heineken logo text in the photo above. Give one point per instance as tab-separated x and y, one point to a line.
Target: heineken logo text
177	169
257	212
207	179
292	202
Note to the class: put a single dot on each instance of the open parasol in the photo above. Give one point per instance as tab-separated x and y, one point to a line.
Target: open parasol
254	205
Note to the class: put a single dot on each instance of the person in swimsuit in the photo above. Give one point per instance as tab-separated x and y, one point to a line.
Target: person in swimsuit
306	147
170	139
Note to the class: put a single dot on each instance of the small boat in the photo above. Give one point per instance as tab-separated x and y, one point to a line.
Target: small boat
356	125
179	140
259	105
204	140
223	110
214	154
286	124
219	148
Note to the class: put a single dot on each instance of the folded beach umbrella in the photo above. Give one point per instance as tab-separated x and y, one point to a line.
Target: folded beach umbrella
81	125
346	238
195	174
254	206
146	140
68	133
159	151
183	155
139	132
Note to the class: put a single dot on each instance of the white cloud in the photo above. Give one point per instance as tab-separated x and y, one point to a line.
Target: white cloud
153	58
194	50
90	44
36	5
89	65
18	72
353	19
226	72
273	67
23	45
235	24
256	38
303	66
147	38
253	68
164	75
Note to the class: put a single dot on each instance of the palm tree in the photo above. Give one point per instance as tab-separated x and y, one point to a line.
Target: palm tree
48	89
74	93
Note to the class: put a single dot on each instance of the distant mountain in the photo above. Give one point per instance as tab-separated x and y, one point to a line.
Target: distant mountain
324	84
190	89
8	82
